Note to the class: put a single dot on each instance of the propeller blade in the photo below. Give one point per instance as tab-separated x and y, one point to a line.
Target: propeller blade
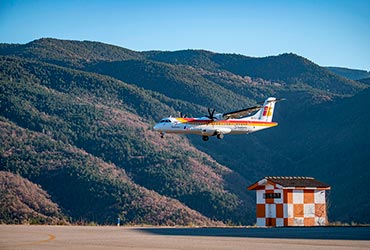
211	114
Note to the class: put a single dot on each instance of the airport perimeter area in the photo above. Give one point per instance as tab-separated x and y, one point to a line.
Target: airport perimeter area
83	237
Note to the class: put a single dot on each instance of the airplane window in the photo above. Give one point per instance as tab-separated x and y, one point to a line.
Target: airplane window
162	121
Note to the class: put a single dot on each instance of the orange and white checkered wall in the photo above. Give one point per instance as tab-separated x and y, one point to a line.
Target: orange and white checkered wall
290	207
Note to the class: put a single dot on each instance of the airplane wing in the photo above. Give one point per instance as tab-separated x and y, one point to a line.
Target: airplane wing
241	113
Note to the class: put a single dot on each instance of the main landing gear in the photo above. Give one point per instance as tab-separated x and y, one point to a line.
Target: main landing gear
219	136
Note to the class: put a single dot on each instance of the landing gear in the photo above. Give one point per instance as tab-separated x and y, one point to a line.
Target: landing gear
205	138
162	134
220	136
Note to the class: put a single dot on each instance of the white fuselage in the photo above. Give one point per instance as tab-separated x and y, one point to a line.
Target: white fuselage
206	127
235	122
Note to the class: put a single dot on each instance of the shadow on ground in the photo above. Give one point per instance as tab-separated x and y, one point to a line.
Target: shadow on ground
334	233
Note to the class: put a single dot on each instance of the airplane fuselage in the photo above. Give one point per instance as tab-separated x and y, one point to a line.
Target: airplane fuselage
207	127
235	122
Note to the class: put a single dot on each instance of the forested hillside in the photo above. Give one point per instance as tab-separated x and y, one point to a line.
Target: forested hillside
353	74
92	113
365	81
86	188
77	120
21	201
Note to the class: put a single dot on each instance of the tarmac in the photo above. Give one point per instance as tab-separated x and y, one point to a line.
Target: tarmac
104	237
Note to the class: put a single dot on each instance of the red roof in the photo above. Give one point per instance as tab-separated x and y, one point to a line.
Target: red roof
290	181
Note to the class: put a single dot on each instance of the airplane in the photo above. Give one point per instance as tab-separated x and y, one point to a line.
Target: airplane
235	122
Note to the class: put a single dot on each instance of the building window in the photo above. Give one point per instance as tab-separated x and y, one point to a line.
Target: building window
272	195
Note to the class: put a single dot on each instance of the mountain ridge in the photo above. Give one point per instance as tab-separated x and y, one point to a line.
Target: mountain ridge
353	74
103	100
126	146
77	54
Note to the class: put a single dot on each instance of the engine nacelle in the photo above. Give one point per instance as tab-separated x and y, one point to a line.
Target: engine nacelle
209	132
212	132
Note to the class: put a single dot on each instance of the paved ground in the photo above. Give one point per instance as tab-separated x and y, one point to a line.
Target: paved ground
74	237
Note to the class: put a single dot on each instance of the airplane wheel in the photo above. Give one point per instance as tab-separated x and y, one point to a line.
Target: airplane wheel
205	138
220	136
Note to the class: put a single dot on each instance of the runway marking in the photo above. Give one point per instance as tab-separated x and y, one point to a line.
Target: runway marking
51	237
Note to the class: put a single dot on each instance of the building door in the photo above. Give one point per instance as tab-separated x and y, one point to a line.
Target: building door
271	215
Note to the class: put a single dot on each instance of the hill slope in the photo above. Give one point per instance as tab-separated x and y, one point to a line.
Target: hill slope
67	52
285	68
92	113
22	201
365	81
353	74
343	160
85	187
103	100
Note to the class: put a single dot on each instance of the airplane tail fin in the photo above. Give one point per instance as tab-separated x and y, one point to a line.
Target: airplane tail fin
266	112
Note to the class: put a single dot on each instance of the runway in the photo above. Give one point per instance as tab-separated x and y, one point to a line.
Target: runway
80	237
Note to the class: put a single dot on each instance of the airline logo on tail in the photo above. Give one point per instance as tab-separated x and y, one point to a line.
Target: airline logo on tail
267	111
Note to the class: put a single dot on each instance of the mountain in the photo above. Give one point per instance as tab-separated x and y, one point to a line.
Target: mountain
93	105
67	52
284	69
86	188
92	112
344	158
353	74
365	81
23	201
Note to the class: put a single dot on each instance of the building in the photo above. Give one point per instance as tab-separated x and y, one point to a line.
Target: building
290	201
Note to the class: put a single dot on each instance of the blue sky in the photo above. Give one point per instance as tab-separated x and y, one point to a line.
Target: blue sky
330	33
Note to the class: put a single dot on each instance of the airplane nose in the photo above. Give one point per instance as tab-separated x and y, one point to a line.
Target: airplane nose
156	127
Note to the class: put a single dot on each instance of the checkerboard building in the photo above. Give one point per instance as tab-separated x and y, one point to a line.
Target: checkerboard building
290	201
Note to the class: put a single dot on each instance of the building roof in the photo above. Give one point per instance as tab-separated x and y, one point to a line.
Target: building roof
290	181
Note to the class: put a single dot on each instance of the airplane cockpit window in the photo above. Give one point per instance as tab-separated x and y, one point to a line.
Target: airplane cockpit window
165	121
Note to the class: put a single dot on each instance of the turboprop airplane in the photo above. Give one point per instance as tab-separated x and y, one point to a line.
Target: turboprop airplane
236	122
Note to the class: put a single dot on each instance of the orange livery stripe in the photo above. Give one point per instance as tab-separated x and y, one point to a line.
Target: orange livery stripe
194	121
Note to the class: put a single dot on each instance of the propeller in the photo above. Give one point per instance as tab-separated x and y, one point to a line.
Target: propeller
211	114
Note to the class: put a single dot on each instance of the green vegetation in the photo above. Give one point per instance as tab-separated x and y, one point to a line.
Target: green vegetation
80	114
77	117
353	74
21	201
365	81
85	187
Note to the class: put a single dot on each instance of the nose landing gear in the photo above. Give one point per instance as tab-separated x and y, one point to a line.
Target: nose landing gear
205	138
